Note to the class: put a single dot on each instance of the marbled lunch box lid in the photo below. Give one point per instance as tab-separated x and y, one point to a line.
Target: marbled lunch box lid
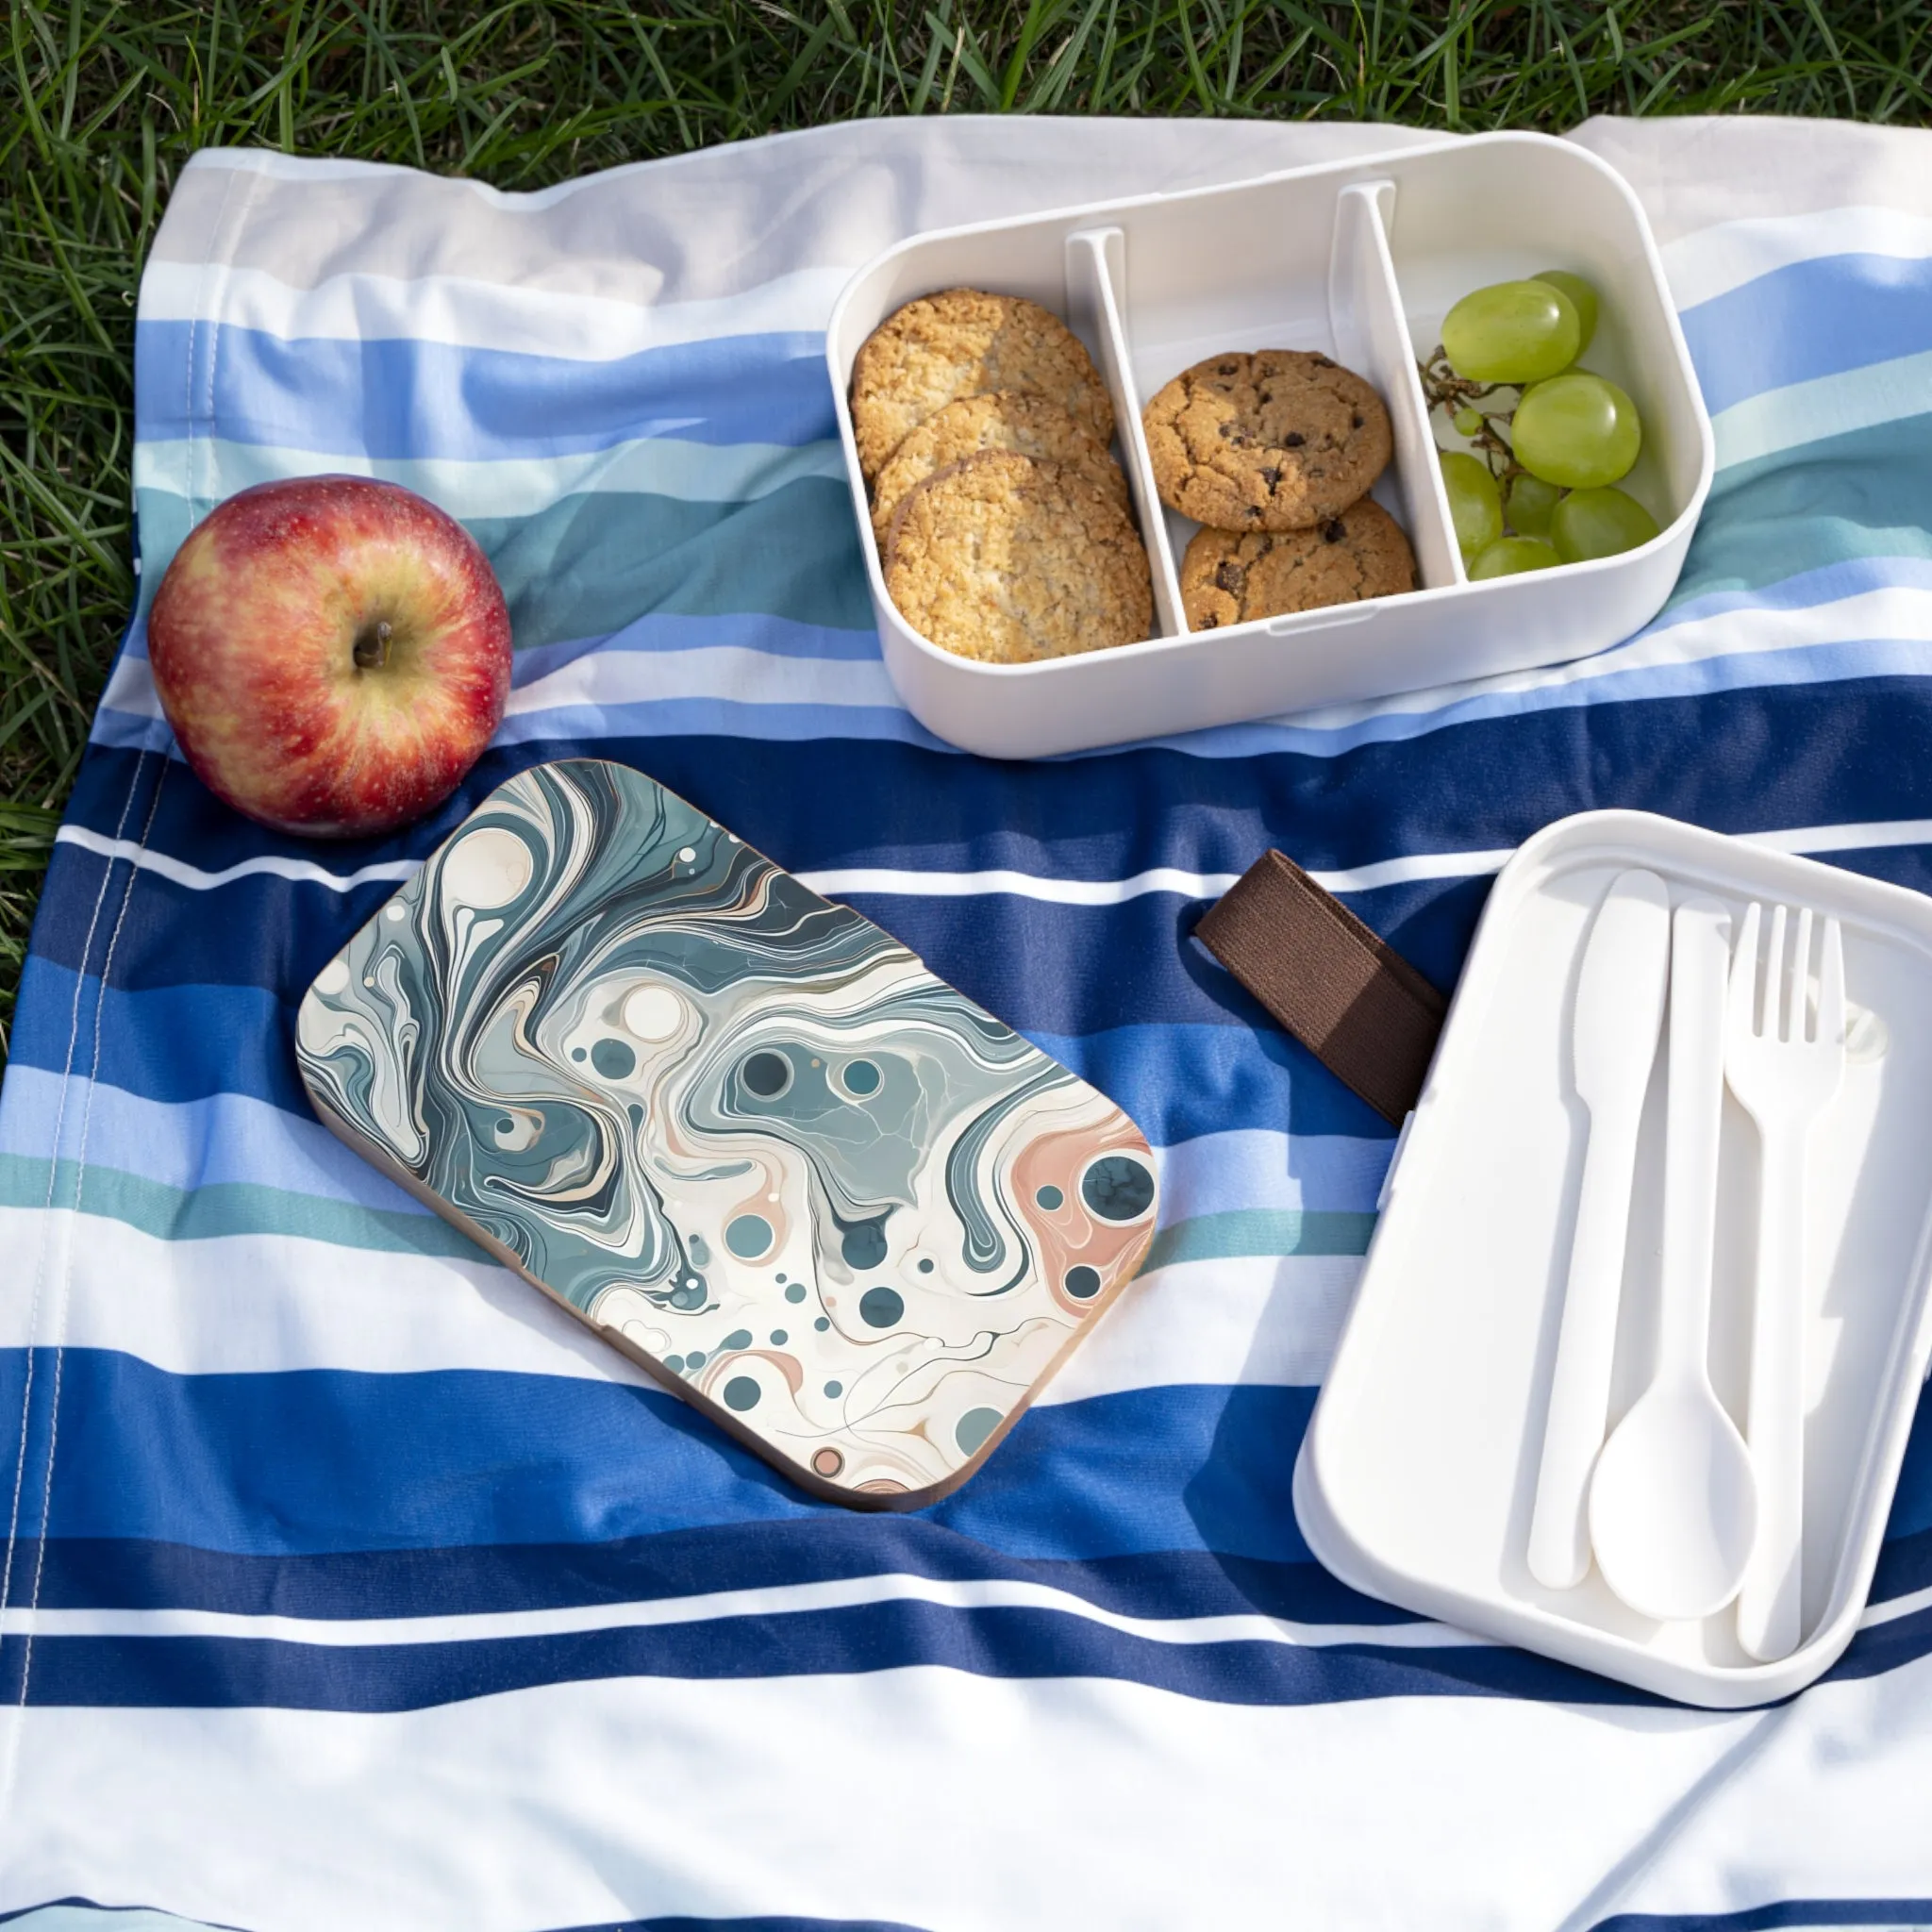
740	1130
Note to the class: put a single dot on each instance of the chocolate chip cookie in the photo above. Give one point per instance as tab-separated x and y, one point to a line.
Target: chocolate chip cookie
1229	578
1277	440
963	342
1006	559
1015	419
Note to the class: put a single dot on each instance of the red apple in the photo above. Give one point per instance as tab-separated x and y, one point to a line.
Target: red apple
332	652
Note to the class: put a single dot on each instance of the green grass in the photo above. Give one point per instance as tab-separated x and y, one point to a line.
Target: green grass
101	103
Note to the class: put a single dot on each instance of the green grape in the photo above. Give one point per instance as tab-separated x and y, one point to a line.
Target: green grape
1577	430
1599	523
1468	421
1531	500
1475	502
1582	298
1511	332
1509	554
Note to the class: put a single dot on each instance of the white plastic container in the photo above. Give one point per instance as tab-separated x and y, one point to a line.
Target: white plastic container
1357	259
1418	1475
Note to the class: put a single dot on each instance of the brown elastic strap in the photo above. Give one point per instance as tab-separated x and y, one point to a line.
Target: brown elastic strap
1355	1003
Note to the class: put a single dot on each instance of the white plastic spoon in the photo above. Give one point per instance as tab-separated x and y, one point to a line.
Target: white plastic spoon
1674	1500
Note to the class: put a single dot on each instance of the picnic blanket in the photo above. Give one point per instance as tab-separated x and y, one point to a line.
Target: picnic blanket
348	1583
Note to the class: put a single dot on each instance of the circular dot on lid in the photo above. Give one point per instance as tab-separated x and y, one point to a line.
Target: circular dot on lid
973	1427
739	1338
779	1338
795	1292
613	1059
369	979
823	1322
766	1074
1051	1198
835	1387
576	1053
688	854
1118	1188
675	1363
748	1236
879	1308
695	1359
1083	1283
395	911
827	1463
506	1125
653	1012
864	1246
741	1393
863	1077
925	1266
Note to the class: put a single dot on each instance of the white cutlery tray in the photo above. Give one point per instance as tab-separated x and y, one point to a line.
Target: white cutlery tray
1359	260
1418	1475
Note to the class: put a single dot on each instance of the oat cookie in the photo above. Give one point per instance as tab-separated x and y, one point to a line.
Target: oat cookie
1228	578
1278	439
963	342
1016	418
1007	559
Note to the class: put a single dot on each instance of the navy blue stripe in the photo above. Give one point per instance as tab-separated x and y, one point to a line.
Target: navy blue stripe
266	932
328	1459
766	1925
399	399
1808	318
1797	1914
680	1924
124	1574
761	1924
1905	1559
1886	1647
1006	1642
1735	761
230	1672
751	1924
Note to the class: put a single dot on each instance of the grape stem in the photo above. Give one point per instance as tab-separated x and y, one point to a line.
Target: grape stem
1444	389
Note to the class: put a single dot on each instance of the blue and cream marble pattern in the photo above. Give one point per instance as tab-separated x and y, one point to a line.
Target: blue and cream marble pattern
735	1127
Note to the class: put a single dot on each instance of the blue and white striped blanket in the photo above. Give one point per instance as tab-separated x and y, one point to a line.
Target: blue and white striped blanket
347	1583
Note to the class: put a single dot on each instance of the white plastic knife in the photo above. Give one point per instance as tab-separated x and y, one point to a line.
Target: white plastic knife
1619	1010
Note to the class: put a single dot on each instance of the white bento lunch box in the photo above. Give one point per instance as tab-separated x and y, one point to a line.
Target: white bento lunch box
1417	1478
1357	259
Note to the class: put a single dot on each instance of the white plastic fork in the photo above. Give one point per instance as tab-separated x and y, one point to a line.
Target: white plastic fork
1785	1073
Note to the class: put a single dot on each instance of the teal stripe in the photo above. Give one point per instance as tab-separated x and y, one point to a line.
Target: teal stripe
226	1208
592	564
1247	1231
236	1207
1865	493
589	565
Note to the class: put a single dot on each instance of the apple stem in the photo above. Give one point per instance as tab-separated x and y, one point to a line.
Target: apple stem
372	647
